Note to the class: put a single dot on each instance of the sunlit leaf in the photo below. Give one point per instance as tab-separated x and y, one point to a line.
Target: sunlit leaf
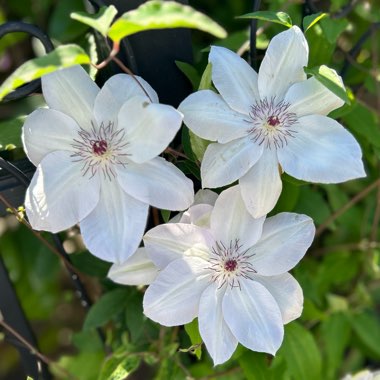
330	79
62	56
100	21
118	367
276	17
309	21
161	15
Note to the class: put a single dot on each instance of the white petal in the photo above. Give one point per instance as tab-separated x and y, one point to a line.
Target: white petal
198	215
322	151
168	242
173	298
261	186
205	196
223	164
287	292
114	230
59	196
72	92
137	270
209	116
47	130
312	97
285	239
230	220
149	127
283	64
217	336
115	92
254	317
158	183
235	80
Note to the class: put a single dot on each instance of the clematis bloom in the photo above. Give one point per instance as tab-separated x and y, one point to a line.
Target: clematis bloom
270	122
232	275
96	156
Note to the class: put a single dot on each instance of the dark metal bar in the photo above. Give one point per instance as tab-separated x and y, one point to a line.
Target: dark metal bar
253	30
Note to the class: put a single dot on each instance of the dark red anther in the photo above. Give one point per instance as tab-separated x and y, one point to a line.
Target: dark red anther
99	147
273	121
230	265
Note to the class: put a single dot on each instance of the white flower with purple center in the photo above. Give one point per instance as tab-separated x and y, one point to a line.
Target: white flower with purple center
232	275
96	156
270	122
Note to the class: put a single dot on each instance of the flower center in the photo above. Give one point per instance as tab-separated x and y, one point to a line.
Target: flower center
100	149
271	123
230	263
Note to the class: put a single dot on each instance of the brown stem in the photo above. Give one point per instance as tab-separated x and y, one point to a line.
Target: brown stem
34	350
115	50
175	153
346	207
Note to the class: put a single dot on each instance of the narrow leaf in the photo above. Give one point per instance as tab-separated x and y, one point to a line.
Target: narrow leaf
276	17
192	330
190	72
330	79
100	21
62	56
158	14
309	21
119	367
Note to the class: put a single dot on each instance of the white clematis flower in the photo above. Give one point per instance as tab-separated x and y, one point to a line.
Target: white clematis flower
270	122
232	276
142	267
96	156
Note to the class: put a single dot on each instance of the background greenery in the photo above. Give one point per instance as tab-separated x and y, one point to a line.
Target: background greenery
339	331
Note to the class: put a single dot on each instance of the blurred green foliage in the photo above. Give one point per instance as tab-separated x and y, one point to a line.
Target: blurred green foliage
339	331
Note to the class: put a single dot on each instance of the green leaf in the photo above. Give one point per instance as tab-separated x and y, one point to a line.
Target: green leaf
309	21
198	145
165	214
255	366
367	327
335	332
62	56
205	83
158	14
90	264
119	368
101	21
276	17
301	353
330	79
10	132
192	331
332	28
190	72
106	308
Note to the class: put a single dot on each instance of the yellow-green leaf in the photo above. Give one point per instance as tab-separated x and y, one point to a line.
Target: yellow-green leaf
63	56
100	21
310	21
158	14
330	79
276	17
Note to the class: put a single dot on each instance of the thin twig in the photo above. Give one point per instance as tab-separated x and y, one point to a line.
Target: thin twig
34	350
347	206
175	153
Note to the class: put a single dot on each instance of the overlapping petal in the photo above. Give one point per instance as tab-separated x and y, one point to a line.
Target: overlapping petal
210	117
223	164
230	220
158	183
284	241
173	298
287	292
72	92
322	151
217	336
312	97
149	127
261	186
137	270
47	130
235	80
116	91
168	242
114	229
253	316
283	63
59	196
